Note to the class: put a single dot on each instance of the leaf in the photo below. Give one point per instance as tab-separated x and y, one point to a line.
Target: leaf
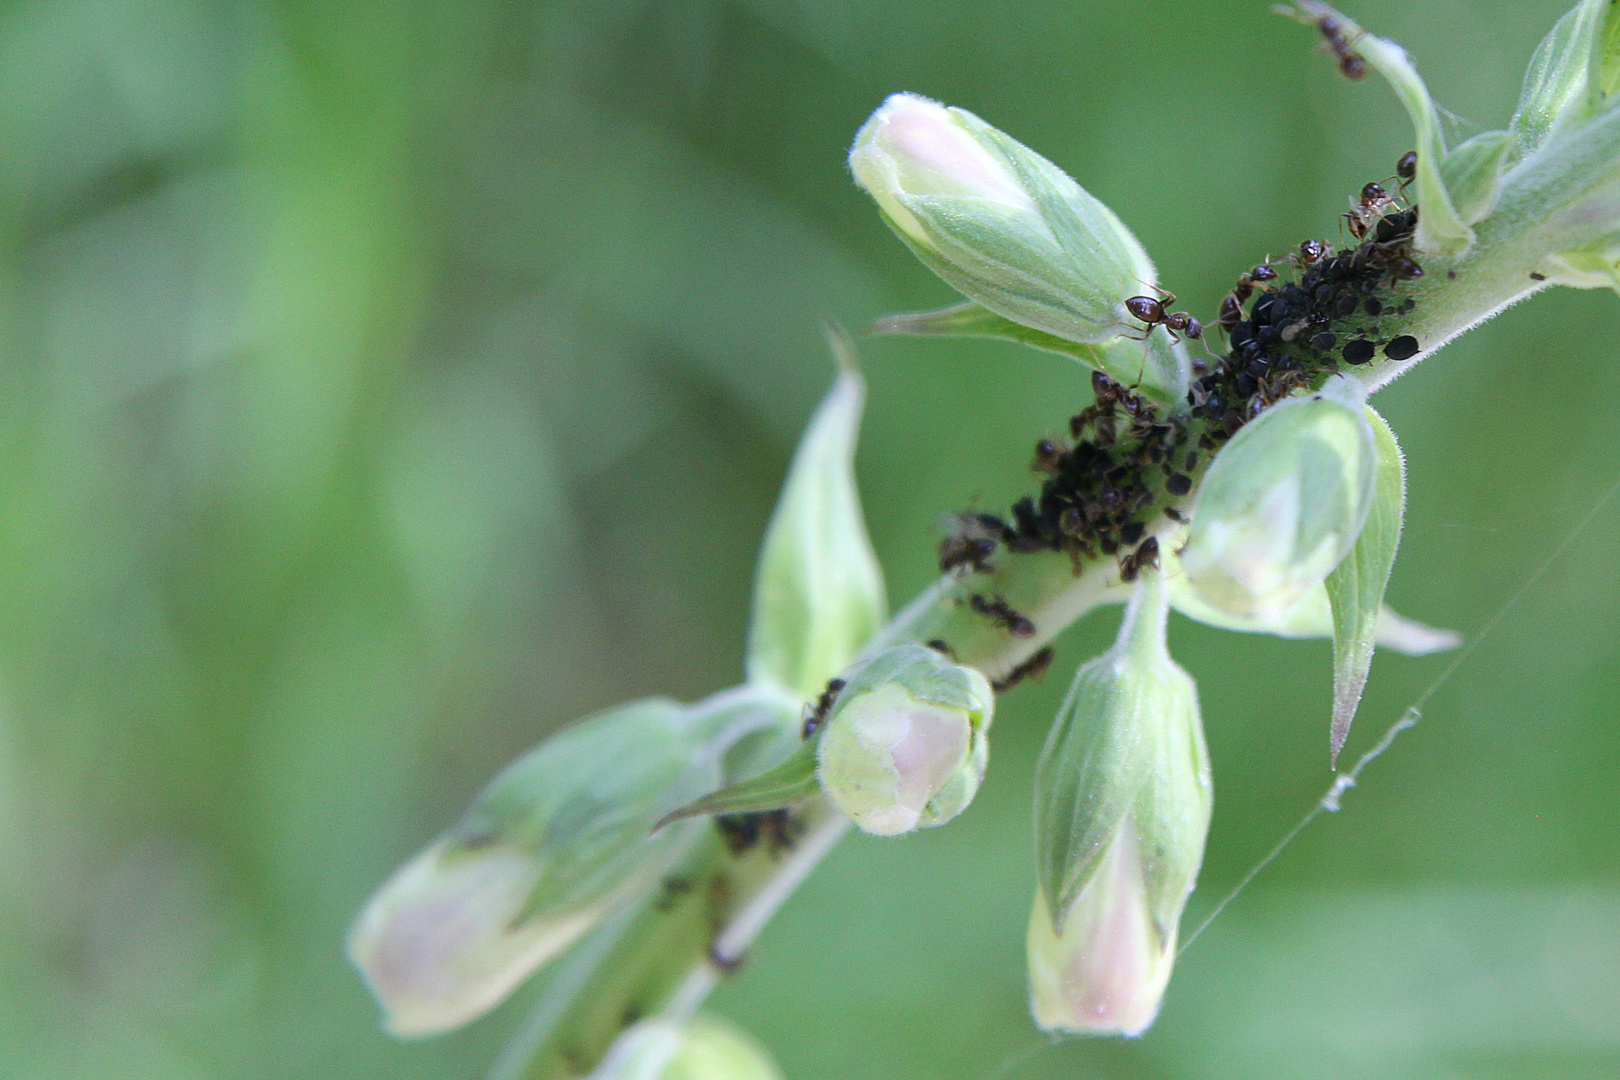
818	593
1473	173
791	782
1356	587
1606	54
1557	82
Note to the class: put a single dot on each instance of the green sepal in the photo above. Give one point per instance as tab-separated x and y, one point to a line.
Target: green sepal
975	320
1473	172
1588	268
1122	359
1558	83
1310	617
1356	587
791	782
818	593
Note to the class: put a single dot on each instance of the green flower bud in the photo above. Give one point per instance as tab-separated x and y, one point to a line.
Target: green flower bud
1007	228
1122	807
704	1048
1282	503
550	847
906	745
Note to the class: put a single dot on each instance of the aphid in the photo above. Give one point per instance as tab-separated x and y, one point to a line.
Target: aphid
1145	555
816	715
999	612
1173	514
1033	668
1178	484
1359	351
1402	348
1152	311
941	646
742	832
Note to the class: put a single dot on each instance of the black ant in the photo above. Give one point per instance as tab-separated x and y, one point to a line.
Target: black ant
1147	554
816	715
999	612
1033	668
1152	311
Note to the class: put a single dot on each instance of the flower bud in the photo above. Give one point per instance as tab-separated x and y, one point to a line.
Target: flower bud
1282	504
1003	225
704	1048
1122	806
544	852
906	745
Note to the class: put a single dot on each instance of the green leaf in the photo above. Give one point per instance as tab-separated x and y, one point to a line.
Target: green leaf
1559	81
791	782
818	594
1356	587
1473	173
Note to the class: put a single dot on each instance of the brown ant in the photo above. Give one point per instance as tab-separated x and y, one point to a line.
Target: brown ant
1351	64
1001	613
1310	253
1406	169
1048	457
816	715
1033	668
1375	201
1146	554
1152	311
972	541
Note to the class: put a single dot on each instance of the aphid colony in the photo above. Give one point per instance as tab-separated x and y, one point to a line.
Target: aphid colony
1129	457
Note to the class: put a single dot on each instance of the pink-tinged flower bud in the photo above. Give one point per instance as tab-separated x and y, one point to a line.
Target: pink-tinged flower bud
1122	806
906	745
1106	971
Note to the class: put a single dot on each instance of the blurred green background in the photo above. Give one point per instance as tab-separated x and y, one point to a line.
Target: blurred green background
386	382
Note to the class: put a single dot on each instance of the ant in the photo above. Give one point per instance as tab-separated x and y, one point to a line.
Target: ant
1151	311
1406	169
1048	457
1310	253
1147	554
816	715
1351	64
1033	668
999	612
1374	202
972	541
